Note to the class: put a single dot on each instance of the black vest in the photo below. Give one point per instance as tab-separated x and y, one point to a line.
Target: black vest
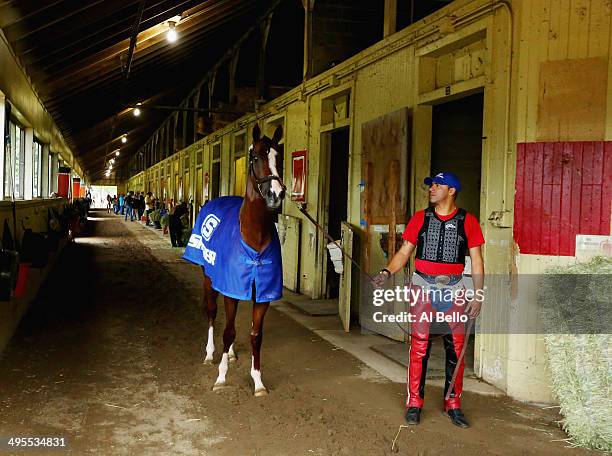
442	241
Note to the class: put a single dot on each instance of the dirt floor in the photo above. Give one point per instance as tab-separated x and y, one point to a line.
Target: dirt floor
110	357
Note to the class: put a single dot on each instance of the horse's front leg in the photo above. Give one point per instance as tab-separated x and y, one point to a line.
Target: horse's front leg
259	312
209	304
229	335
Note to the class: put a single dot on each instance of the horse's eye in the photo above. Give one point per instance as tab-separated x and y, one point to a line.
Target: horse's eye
255	158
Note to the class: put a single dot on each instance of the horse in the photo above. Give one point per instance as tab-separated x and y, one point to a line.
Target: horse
236	242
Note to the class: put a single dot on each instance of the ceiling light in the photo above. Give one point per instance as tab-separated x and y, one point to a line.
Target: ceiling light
136	112
124	139
117	153
112	161
171	34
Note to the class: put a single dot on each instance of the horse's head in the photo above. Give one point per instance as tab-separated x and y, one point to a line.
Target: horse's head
264	161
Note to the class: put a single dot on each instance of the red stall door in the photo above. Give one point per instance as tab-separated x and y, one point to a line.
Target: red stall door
562	189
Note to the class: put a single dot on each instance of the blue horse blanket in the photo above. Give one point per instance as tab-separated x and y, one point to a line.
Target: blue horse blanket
233	266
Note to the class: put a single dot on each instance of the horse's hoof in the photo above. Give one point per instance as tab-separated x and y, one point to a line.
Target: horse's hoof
208	361
219	386
261	392
232	359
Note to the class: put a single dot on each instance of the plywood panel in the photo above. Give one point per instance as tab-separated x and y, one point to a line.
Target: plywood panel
572	100
383	141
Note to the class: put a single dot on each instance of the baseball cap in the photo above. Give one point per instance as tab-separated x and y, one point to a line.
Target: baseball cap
444	179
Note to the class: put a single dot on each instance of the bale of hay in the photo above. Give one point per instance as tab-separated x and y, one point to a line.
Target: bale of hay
575	301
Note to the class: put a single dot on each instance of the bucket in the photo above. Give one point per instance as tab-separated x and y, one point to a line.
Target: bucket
335	255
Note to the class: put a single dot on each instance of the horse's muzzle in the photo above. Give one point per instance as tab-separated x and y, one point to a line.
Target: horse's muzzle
273	202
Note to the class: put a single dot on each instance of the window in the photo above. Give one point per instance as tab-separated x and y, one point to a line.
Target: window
14	163
36	169
50	174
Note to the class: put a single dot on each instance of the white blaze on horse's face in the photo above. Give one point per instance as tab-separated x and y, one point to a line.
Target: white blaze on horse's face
276	187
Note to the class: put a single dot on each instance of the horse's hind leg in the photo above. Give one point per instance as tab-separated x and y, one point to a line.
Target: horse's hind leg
229	335
209	304
259	312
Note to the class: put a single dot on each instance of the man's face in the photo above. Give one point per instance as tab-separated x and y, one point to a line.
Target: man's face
438	193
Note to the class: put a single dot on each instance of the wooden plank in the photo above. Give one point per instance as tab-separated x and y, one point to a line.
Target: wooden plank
547	196
519	192
597	187
528	222
599	28
578	29
607	190
586	210
566	192
538	171
559	24
555	209
575	200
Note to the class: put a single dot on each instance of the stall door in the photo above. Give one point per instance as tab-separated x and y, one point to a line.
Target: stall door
385	198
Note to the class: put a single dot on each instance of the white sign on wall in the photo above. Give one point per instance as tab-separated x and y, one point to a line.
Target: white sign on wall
588	246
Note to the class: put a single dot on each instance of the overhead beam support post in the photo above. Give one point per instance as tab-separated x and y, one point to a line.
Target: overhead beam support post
390	21
264	33
308	8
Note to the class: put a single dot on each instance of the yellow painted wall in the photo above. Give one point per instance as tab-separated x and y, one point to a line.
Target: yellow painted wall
15	85
400	72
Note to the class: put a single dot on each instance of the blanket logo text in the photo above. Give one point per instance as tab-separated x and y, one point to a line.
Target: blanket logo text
208	226
209	256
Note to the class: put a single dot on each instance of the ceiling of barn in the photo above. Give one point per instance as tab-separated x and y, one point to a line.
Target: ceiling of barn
76	51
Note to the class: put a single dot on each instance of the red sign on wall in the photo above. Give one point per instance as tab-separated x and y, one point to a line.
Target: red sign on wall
299	175
562	189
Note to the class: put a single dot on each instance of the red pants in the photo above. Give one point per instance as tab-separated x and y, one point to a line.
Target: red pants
420	346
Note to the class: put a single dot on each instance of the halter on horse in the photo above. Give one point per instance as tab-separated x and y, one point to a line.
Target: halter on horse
264	194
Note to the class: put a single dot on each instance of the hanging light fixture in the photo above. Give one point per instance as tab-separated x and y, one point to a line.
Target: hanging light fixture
136	110
171	34
124	139
117	153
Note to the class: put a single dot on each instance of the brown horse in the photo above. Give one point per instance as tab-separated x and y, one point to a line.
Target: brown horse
264	194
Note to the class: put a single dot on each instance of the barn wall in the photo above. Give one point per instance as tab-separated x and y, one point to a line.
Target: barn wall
459	50
31	214
15	85
563	93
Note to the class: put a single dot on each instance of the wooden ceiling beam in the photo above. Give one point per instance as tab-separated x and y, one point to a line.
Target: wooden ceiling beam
111	32
109	56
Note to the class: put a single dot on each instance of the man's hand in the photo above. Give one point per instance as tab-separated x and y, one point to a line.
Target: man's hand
379	279
473	308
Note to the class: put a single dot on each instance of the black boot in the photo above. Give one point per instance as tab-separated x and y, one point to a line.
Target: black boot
458	418
413	415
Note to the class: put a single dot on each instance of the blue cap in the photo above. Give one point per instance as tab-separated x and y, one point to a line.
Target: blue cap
445	179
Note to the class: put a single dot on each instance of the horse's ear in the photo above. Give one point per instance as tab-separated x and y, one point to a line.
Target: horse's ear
278	135
256	133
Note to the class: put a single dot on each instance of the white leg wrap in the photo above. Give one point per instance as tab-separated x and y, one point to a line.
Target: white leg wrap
222	371
260	389
210	345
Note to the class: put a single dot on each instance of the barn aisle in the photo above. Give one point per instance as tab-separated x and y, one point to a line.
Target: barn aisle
110	358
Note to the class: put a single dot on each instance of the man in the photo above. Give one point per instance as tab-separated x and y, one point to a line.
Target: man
441	235
130	202
176	224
